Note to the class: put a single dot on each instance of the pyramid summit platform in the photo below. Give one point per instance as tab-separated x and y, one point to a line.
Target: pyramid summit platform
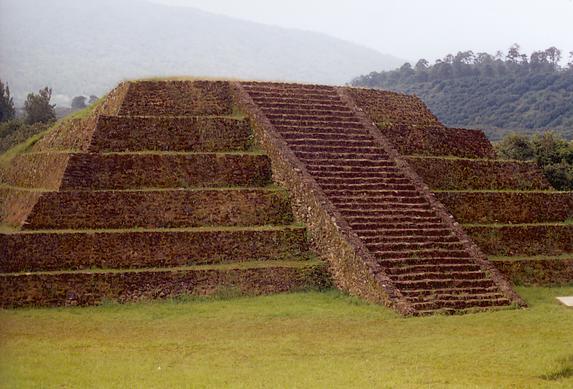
169	188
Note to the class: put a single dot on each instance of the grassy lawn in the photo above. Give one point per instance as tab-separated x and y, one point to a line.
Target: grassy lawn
292	340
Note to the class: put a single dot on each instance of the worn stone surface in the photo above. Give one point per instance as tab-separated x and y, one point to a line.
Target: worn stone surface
540	272
479	174
508	207
41	251
527	240
137	133
159	209
88	288
177	98
95	171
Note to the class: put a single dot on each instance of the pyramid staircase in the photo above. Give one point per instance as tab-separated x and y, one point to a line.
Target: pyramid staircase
161	195
507	207
409	245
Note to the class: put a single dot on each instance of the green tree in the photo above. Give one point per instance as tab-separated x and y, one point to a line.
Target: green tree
553	155
515	146
7	110
38	108
79	102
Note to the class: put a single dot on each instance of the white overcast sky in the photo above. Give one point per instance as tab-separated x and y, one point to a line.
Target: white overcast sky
411	29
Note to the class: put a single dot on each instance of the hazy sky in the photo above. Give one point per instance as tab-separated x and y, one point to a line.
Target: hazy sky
411	29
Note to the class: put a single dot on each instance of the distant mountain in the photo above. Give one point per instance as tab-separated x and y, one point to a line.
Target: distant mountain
86	47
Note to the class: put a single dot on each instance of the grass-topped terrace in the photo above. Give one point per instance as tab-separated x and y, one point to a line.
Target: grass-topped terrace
290	340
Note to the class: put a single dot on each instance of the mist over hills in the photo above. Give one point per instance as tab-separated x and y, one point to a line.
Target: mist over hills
86	47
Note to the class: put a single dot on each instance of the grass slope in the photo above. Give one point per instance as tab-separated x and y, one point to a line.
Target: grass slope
290	340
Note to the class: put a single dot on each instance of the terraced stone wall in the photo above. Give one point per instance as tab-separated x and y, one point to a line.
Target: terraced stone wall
478	174
93	288
117	171
508	207
524	240
154	248
118	133
177	98
544	272
159	209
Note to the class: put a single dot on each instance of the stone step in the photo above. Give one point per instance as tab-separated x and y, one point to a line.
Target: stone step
329	177
335	143
373	193
267	95
298	89
399	262
159	209
325	123
367	204
267	85
338	152
382	222
439	275
400	246
469	302
306	130
140	133
403	231
318	125
165	170
390	211
373	202
360	164
421	253
99	285
140	248
444	295
307	114
304	135
304	106
443	283
311	118
375	186
416	295
382	238
434	268
267	100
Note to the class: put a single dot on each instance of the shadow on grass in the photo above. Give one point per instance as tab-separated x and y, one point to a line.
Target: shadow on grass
565	370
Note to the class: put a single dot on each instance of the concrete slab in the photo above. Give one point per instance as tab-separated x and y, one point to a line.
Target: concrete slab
568	301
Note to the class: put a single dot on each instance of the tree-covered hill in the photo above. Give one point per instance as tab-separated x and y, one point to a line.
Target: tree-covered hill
497	93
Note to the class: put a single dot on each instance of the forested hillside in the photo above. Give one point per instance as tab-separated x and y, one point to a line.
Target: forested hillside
498	93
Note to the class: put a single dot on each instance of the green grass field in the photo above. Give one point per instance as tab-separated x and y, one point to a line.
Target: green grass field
291	340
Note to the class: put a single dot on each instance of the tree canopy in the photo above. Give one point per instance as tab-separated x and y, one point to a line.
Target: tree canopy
38	108
490	91
7	110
